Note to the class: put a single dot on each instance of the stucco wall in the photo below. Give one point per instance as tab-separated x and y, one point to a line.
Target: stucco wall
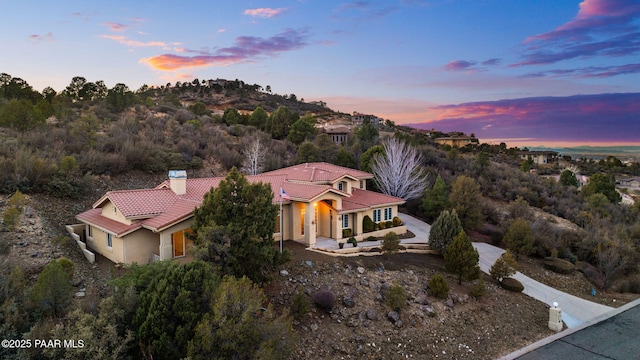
98	243
139	245
110	211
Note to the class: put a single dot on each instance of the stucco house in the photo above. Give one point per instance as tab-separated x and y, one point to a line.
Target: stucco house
319	200
456	141
539	157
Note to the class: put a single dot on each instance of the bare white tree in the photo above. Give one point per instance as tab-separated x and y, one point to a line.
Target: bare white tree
398	171
253	158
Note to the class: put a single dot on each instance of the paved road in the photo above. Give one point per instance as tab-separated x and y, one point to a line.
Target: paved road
575	310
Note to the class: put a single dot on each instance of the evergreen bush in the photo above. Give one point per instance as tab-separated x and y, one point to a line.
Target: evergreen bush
438	287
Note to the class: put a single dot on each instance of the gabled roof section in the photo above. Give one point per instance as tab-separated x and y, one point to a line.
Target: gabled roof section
308	192
365	199
319	172
139	203
94	217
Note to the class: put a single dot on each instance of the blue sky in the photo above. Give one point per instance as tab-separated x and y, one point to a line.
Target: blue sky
446	64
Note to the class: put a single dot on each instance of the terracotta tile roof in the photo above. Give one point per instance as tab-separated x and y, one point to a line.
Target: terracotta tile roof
139	203
159	208
94	217
365	199
319	172
178	211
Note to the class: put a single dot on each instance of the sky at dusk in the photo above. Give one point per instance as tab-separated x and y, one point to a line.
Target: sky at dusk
527	72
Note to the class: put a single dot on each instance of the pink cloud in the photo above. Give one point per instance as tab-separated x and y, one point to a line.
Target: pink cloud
133	43
113	26
459	65
246	48
264	12
600	28
581	118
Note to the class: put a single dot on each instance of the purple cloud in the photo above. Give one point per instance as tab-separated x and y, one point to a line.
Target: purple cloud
35	38
590	72
246	48
459	65
601	28
581	118
464	65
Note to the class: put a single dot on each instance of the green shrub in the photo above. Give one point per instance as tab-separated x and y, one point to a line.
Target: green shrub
371	238
512	284
376	227
300	305
353	241
390	243
478	290
346	233
68	266
505	266
367	224
10	218
560	266
18	200
388	224
396	221
438	287
396	297
382	225
341	245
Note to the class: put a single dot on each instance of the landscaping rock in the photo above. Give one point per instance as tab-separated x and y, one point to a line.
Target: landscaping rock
348	302
284	272
393	316
360	270
372	314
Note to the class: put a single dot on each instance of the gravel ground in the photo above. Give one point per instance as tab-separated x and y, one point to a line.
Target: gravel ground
359	326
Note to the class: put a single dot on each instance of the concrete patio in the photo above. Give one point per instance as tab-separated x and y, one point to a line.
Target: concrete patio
418	228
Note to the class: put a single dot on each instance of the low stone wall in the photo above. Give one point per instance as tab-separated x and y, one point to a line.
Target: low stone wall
73	230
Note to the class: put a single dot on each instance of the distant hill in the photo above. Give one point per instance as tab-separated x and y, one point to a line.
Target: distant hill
595	152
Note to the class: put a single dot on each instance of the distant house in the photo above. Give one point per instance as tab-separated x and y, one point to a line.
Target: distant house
320	200
632	182
539	157
338	134
358	119
456	141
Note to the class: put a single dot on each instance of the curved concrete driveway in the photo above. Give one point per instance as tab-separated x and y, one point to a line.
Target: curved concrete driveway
575	310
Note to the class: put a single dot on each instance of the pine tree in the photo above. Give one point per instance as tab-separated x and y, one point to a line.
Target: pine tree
444	230
462	258
504	267
465	199
519	238
435	199
234	228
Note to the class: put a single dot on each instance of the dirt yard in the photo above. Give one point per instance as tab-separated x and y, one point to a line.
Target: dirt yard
362	326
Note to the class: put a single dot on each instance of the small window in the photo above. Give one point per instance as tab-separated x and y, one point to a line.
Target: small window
361	184
377	215
345	221
90	230
387	214
341	186
109	241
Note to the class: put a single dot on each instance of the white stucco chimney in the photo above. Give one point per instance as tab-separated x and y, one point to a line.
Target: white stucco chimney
178	181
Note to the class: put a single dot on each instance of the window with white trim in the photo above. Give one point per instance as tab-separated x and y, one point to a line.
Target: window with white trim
388	212
377	215
341	186
89	231
109	240
345	221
